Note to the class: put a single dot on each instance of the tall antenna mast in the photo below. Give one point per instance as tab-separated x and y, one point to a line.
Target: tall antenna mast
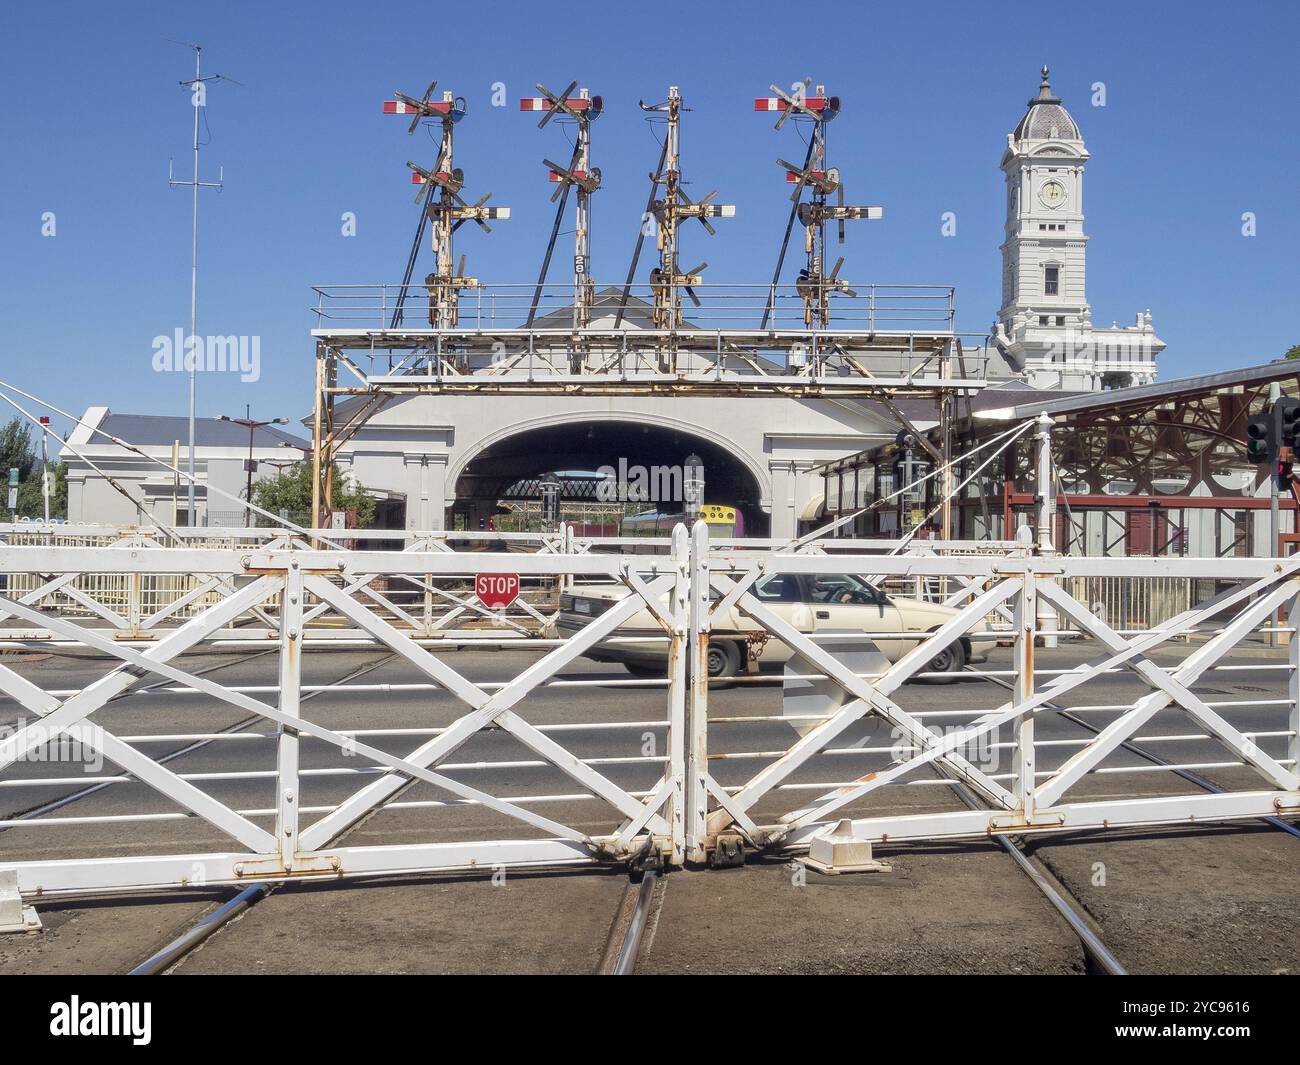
199	98
440	193
814	284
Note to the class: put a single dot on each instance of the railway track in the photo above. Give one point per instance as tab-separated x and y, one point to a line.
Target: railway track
210	923
1099	955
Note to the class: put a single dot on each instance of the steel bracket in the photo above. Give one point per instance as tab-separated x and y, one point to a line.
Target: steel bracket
728	851
273	868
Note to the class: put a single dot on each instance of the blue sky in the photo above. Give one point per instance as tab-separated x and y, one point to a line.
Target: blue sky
1199	126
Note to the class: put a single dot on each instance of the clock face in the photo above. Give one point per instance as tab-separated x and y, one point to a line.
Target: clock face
1052	193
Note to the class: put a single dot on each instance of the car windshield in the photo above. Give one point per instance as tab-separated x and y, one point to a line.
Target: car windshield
841	588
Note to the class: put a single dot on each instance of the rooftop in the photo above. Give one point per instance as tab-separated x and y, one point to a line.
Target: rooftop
1046	118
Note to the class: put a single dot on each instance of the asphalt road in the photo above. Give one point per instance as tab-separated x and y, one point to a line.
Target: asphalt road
1213	899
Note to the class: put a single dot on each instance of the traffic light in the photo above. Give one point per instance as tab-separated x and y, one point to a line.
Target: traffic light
1286	416
1261	439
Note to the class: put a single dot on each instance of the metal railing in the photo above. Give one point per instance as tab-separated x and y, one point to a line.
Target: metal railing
501	308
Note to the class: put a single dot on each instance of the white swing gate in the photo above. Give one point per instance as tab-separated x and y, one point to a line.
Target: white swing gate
293	601
1028	799
298	844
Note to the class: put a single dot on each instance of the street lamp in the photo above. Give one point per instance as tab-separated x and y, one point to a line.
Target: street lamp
693	488
550	489
250	466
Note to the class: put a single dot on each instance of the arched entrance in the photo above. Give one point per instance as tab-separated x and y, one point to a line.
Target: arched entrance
640	455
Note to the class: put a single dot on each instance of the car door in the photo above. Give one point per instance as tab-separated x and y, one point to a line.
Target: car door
783	594
842	601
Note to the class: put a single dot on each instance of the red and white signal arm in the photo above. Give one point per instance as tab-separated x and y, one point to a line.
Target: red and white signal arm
496	590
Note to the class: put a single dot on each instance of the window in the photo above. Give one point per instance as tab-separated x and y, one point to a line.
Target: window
779	588
1042	319
1060	319
843	588
1052	281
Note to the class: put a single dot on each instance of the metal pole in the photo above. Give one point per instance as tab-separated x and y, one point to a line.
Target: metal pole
45	472
248	470
194	288
1274	519
192	354
1046	490
316	442
1046	494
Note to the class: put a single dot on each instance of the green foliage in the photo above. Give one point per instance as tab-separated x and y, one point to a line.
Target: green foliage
1293	352
20	446
16	449
290	490
31	504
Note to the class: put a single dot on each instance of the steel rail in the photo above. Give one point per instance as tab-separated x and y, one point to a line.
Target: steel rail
631	949
627	931
162	960
1092	943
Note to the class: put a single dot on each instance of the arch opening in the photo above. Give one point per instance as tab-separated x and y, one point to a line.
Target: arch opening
605	466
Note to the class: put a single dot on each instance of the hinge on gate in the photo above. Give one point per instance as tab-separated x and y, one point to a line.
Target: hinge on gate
1015	821
728	851
306	865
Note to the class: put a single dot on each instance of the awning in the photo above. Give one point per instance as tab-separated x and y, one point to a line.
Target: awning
813	508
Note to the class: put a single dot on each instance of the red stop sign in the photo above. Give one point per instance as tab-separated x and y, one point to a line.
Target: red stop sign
496	590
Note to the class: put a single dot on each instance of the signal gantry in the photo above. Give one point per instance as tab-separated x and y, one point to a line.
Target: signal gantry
669	205
814	284
443	206
579	175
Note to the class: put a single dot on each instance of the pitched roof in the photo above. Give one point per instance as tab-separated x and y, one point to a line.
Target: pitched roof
158	430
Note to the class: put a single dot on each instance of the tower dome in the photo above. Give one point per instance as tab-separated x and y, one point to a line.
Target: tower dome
1046	119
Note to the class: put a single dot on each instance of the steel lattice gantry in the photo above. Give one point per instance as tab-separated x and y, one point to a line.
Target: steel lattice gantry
885	341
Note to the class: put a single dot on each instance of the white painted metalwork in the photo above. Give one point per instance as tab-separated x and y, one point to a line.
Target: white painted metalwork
1029	800
285	598
303	843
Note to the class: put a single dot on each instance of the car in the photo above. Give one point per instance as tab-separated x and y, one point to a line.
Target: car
809	602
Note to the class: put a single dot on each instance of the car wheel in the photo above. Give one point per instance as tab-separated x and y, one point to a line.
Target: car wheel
949	662
723	659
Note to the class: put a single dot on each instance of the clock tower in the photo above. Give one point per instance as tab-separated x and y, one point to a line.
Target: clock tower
1044	325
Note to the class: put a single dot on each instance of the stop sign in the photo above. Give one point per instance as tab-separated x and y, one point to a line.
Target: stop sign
496	590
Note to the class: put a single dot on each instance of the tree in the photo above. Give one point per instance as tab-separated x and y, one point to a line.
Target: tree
31	502
18	449
290	490
1293	352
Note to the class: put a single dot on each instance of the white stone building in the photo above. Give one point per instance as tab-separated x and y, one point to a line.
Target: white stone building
219	455
1044	326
